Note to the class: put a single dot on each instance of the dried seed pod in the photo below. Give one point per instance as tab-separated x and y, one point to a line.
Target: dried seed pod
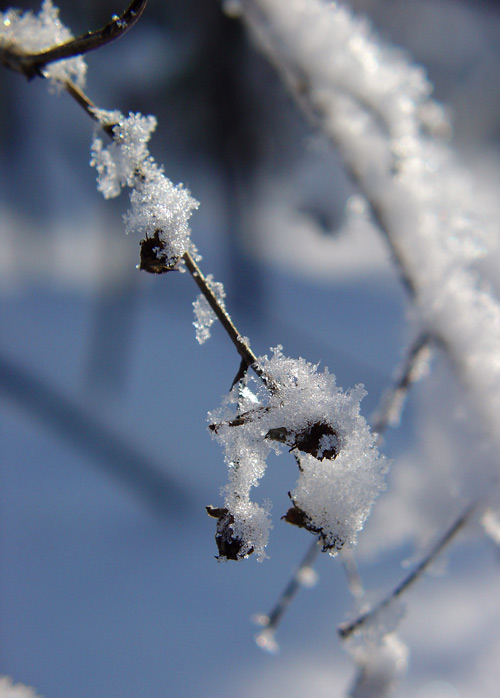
319	439
153	258
298	517
228	544
280	434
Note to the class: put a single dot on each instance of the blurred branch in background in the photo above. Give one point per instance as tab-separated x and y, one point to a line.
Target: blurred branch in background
114	454
415	365
347	629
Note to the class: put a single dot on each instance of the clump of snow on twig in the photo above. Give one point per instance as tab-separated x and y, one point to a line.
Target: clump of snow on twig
33	33
158	207
340	469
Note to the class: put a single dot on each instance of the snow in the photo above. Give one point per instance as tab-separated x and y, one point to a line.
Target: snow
375	106
204	315
158	207
340	470
32	33
380	665
118	162
8	689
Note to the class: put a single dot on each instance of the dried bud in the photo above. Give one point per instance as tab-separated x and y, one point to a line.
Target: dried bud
153	258
228	544
280	434
319	439
298	517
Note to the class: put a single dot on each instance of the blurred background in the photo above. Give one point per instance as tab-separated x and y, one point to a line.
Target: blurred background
108	582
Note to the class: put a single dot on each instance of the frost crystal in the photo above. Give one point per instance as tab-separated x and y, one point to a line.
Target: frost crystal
117	164
34	33
205	316
159	210
340	469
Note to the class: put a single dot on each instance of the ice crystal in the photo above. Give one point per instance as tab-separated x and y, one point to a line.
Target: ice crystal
204	315
118	163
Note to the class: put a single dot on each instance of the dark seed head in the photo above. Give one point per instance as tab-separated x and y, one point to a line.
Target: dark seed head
228	544
153	257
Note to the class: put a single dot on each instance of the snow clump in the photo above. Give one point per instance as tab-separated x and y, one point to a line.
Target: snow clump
30	33
159	209
340	470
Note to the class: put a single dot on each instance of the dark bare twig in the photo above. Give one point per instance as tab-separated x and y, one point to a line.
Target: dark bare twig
242	371
223	316
31	65
88	105
248	358
347	629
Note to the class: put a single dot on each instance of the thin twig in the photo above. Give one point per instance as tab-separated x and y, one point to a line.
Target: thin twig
354	583
88	105
346	629
391	404
242	371
248	358
31	64
271	621
223	316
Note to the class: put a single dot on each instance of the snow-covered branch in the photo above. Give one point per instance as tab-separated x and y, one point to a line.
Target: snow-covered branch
376	108
30	43
292	405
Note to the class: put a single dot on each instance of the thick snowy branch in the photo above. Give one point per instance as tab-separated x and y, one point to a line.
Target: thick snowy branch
375	107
